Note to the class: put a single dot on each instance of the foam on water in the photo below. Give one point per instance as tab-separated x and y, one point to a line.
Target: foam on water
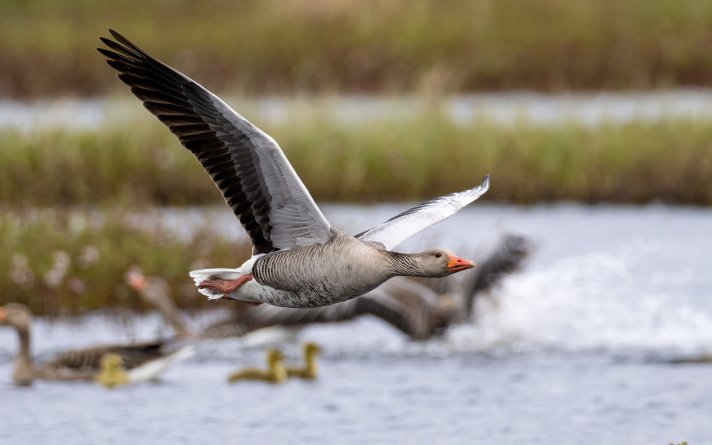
589	302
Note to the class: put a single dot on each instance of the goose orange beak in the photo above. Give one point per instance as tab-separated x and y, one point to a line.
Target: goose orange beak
456	264
3	314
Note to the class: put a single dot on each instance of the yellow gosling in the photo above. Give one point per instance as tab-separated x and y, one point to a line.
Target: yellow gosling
275	373
308	371
112	372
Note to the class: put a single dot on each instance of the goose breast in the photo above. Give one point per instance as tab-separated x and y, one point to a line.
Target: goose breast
327	273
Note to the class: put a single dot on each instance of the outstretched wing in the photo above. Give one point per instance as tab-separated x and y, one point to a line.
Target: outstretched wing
403	303
414	220
508	257
251	171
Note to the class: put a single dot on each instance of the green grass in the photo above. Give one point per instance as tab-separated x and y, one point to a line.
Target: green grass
398	158
61	261
271	46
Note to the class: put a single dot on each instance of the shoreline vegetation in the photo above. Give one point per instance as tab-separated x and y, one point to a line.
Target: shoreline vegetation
288	46
416	157
74	261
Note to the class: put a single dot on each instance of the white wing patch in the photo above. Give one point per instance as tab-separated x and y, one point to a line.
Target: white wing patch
414	220
153	369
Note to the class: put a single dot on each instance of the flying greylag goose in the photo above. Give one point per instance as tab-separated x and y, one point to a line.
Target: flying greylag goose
308	371
299	259
143	361
413	308
275	373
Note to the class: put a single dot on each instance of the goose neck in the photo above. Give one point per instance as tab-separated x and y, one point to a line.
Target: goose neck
158	294
24	369
404	264
310	361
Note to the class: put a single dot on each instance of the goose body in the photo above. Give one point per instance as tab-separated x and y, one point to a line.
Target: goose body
299	259
342	268
149	359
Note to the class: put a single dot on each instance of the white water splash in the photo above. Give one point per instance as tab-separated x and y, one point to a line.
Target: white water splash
587	302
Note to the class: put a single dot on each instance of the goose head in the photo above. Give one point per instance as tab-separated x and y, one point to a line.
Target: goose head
311	349
16	315
135	279
274	357
440	263
151	289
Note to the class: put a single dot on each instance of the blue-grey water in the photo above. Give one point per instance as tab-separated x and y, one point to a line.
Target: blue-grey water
501	108
573	349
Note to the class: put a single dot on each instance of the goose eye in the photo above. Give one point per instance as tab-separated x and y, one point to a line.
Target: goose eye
438	255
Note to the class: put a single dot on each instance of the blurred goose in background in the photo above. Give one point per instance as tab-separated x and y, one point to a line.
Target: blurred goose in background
156	292
299	260
275	372
308	371
411	307
143	361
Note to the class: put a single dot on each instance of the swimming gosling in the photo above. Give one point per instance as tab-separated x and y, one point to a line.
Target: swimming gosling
308	371
275	373
112	372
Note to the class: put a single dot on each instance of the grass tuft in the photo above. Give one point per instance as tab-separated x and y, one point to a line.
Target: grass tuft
277	46
60	261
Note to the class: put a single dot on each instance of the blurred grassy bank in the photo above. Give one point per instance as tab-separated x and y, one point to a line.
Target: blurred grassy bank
404	158
277	46
74	261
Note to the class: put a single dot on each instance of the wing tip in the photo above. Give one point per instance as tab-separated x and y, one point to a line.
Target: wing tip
485	182
113	33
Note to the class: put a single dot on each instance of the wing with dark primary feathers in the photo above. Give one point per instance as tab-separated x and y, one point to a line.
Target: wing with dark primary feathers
507	257
251	171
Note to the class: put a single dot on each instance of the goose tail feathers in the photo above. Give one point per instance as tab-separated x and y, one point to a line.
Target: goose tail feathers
201	275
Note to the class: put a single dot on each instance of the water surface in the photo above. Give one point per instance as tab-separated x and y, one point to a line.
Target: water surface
574	349
502	108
